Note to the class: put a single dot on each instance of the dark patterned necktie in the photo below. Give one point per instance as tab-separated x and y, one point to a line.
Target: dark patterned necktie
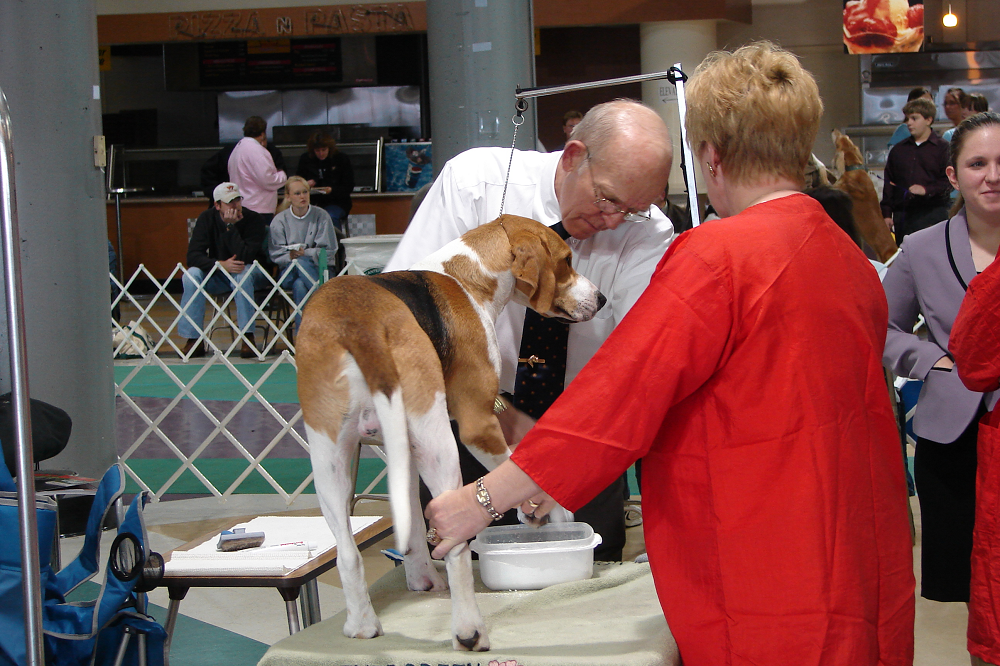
541	363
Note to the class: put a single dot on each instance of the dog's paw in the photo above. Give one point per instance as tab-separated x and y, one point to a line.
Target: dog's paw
560	515
475	640
530	519
557	515
363	625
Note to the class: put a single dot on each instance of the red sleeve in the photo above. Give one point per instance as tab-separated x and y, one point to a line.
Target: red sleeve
975	336
668	345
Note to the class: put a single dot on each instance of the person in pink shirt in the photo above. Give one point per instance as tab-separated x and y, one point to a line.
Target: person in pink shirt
252	168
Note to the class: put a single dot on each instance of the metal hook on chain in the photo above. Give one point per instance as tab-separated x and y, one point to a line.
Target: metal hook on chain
520	106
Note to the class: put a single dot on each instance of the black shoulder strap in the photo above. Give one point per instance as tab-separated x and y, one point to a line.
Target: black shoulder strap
951	255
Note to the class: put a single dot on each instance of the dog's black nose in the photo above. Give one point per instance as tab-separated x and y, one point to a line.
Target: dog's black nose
601	300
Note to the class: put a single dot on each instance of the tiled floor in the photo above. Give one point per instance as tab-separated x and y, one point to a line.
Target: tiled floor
259	613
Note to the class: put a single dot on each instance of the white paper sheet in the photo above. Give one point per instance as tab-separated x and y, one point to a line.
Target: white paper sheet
205	559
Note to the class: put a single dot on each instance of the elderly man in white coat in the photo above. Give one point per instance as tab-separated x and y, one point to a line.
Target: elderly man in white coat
598	194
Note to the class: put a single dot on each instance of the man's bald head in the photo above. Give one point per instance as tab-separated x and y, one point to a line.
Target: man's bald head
630	131
620	153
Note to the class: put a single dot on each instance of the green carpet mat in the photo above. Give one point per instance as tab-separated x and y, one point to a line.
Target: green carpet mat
195	643
218	383
288	472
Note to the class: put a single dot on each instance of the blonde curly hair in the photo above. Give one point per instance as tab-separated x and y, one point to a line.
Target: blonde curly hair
760	109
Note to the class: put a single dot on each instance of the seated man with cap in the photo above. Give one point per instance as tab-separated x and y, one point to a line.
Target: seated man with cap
232	237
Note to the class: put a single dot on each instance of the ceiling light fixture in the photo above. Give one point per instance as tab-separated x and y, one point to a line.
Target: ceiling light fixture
949	20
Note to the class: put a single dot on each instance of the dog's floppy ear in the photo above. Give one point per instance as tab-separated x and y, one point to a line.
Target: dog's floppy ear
838	152
532	269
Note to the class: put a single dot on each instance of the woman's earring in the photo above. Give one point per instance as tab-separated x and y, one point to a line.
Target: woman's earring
711	169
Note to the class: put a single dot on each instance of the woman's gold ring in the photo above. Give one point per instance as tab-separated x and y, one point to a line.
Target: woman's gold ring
432	536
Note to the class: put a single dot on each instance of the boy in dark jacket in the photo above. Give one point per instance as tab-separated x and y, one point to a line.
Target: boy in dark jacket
233	238
916	190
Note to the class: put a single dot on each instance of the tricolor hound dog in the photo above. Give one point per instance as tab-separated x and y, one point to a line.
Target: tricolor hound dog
410	348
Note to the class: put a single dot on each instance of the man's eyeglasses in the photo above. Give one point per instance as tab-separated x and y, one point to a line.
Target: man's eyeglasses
612	207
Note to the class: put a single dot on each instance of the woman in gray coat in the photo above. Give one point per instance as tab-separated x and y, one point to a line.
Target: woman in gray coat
298	233
930	277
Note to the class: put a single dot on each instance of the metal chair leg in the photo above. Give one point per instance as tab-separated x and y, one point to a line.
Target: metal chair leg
123	647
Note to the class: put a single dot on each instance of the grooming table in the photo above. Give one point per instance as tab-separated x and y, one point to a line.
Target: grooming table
613	619
296	573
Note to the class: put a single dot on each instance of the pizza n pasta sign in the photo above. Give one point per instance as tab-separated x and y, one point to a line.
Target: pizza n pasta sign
263	23
320	21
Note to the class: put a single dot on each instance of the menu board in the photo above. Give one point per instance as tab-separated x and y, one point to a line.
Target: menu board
270	62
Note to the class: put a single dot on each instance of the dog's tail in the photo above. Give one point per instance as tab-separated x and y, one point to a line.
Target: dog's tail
392	419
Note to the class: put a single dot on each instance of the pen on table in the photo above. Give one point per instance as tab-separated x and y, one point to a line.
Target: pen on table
292	545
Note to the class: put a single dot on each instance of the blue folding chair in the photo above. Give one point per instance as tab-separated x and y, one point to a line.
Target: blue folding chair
97	632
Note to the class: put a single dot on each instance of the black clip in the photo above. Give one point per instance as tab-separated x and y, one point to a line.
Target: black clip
675	74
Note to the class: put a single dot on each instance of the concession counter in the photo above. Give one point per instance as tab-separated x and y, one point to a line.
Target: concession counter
163	191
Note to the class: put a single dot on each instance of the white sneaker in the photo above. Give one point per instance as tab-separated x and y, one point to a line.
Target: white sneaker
633	516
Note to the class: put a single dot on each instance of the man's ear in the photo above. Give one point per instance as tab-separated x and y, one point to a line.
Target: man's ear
573	154
532	269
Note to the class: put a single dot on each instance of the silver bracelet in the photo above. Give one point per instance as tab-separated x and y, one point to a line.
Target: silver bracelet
483	497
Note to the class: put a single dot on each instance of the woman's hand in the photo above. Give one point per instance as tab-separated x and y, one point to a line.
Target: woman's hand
457	516
312	183
537	508
295	254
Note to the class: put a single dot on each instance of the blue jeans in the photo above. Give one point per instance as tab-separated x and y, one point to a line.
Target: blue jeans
193	302
337	214
302	275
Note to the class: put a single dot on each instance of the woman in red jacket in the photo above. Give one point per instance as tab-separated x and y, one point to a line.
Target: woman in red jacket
975	343
748	377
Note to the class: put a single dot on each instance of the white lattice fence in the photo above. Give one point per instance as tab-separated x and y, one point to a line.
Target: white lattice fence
186	384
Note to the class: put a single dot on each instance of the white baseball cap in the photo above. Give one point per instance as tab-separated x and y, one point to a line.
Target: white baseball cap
226	192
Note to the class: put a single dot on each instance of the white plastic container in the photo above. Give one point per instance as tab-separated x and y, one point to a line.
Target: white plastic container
522	557
368	255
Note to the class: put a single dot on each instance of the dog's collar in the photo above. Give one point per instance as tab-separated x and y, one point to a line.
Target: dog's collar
855	167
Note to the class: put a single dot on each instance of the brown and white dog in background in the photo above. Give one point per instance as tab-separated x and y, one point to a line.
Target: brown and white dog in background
404	352
855	181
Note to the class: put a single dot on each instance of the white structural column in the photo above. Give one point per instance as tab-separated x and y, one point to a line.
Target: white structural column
662	45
